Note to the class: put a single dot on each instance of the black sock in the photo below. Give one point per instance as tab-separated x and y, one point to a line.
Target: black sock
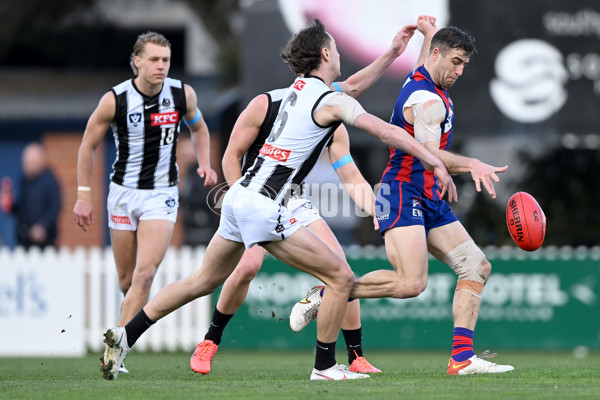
325	355
353	340
137	326
217	326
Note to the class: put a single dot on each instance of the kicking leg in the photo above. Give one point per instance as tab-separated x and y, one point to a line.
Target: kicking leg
406	249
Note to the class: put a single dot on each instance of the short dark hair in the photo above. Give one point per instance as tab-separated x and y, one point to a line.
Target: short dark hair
302	53
452	37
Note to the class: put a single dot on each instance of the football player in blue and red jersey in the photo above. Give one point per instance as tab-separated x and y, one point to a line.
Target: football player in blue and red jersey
413	217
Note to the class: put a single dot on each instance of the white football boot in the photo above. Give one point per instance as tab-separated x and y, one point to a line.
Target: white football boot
477	365
338	372
306	309
116	350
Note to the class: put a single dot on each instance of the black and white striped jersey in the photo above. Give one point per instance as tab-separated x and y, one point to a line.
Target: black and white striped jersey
275	97
295	143
146	131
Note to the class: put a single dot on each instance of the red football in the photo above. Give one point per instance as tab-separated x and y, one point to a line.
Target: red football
526	221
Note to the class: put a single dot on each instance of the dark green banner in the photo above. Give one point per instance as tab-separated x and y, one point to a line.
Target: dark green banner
545	302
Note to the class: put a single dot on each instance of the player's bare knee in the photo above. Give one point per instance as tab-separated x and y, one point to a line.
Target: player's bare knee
410	289
144	277
471	266
124	286
342	278
248	270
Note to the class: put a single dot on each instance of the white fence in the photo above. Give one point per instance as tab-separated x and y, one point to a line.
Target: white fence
61	302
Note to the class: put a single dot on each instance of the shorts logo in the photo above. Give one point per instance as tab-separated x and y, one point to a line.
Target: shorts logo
170	202
383	217
135	119
299	85
293	221
416	212
158	119
275	152
308	205
120	219
279	228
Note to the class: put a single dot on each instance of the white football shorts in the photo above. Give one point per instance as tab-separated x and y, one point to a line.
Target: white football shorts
127	206
303	210
251	218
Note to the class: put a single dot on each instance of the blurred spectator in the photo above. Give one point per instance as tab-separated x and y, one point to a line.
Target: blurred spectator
38	205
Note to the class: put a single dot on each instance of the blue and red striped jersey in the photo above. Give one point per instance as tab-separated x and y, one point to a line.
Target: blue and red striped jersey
402	166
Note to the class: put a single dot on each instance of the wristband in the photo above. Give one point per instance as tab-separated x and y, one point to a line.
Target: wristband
84	189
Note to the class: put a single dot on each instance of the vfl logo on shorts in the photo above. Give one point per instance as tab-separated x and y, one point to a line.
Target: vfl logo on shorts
170	202
135	119
117	219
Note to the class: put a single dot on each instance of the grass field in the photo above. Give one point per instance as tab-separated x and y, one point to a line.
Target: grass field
284	375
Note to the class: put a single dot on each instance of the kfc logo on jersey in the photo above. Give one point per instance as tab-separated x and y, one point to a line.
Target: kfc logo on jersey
275	152
299	85
164	118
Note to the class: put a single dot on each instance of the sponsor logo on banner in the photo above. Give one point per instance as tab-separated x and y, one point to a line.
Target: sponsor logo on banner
158	119
507	297
530	80
275	152
42	305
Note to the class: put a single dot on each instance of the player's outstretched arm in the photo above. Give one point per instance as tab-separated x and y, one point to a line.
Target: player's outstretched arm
361	81
96	128
200	137
359	189
244	133
398	138
340	107
482	173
